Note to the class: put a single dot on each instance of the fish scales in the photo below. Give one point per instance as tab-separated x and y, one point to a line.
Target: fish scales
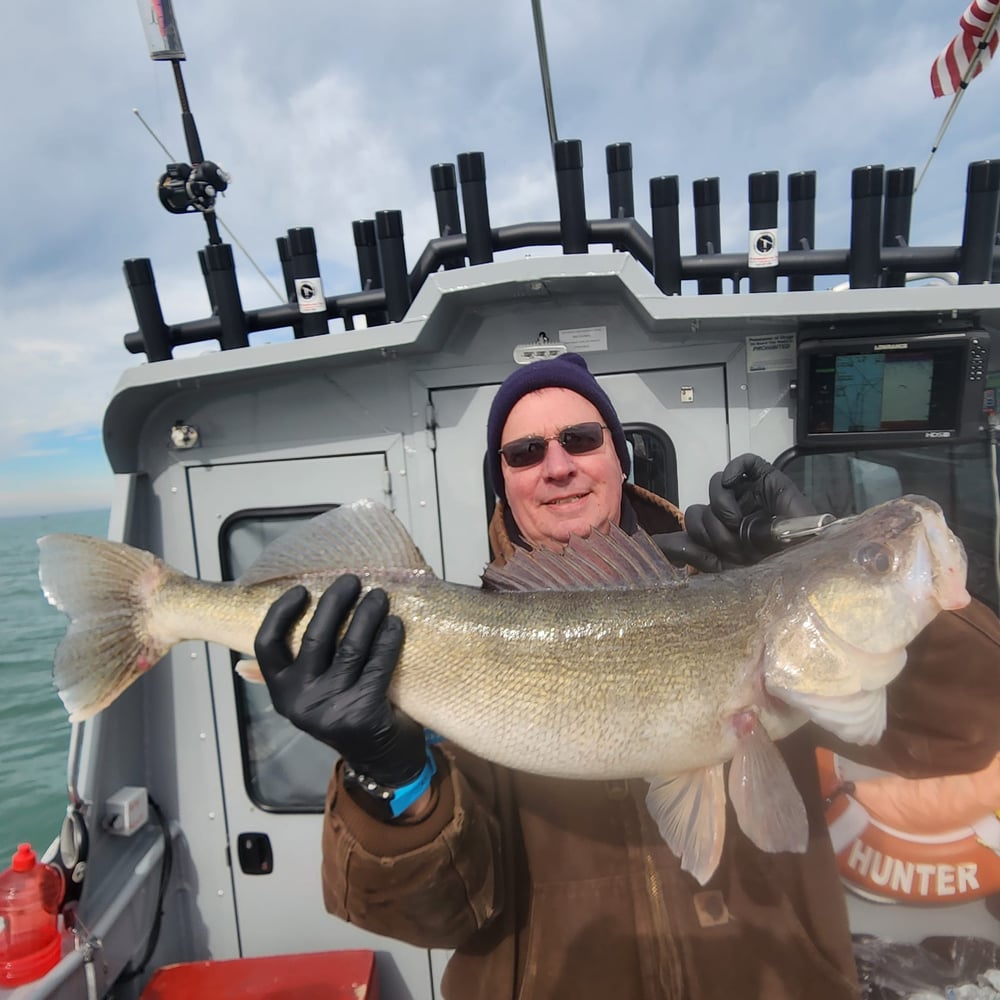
632	674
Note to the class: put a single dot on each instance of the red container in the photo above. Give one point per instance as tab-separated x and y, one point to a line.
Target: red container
30	894
327	975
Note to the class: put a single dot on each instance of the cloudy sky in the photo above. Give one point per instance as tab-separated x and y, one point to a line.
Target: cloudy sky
324	112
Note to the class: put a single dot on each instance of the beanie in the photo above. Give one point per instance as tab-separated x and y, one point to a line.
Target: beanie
565	371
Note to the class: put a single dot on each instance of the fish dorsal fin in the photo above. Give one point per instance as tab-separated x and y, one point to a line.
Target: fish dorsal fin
609	560
360	537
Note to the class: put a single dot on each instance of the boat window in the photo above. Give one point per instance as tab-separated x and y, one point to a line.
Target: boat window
284	769
957	476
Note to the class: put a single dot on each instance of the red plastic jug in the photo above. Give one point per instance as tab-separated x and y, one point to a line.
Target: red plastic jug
30	943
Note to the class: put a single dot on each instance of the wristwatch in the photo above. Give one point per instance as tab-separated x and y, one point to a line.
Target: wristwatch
396	799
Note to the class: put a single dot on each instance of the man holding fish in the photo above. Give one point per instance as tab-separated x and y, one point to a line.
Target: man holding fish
547	887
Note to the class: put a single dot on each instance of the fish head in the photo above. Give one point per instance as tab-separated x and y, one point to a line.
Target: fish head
852	599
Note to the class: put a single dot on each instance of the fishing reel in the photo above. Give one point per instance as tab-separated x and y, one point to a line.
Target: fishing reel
185	188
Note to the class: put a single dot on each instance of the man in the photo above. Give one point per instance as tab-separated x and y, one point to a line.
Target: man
548	888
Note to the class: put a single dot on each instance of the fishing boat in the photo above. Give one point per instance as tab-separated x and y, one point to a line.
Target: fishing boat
192	837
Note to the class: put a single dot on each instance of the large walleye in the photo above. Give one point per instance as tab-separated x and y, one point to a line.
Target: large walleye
596	663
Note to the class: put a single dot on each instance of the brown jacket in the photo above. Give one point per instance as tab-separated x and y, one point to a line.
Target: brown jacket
549	889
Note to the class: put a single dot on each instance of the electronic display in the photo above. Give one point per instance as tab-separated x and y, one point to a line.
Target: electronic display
879	388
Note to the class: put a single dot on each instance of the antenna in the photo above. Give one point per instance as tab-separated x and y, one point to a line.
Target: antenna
185	187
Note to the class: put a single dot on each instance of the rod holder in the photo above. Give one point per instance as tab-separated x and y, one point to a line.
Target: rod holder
146	303
285	257
664	202
307	284
707	228
392	256
896	218
762	197
801	223
479	236
220	269
982	197
369	268
864	262
569	183
621	196
445	184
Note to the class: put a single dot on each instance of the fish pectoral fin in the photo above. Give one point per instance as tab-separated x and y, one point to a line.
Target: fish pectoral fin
768	806
690	811
857	718
249	670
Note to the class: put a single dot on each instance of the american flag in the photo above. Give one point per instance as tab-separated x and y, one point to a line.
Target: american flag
948	73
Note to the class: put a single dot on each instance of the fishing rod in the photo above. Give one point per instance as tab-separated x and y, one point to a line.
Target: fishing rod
184	187
543	65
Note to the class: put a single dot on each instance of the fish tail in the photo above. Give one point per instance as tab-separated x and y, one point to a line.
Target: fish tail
106	589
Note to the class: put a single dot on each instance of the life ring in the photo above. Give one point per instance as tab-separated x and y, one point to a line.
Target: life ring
885	864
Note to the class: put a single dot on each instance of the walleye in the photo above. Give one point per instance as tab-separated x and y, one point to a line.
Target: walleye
602	662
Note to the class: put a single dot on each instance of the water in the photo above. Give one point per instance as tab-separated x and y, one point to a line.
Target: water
34	732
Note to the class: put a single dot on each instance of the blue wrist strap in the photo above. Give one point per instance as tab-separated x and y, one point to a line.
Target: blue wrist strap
404	797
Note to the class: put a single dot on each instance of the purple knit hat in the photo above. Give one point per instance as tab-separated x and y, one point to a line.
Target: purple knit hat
565	371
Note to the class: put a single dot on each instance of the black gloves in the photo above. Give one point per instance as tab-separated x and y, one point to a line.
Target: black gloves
338	695
747	487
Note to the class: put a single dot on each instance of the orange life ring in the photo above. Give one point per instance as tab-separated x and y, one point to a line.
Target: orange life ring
889	865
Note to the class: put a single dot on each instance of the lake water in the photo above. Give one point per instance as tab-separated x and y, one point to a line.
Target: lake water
34	731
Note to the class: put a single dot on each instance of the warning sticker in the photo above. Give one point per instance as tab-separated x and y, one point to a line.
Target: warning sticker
585	338
771	352
763	250
309	293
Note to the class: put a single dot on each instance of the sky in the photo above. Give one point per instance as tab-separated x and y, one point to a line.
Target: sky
324	112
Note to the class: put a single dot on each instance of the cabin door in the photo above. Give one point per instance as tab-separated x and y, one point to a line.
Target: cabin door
685	407
274	776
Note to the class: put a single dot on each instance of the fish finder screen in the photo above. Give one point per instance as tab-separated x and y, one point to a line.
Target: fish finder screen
876	391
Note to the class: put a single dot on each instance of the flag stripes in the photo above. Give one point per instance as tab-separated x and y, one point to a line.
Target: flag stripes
950	69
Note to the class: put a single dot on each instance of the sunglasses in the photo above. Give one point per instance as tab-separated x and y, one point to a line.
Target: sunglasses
579	439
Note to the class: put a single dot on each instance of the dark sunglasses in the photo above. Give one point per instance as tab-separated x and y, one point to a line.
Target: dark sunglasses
575	440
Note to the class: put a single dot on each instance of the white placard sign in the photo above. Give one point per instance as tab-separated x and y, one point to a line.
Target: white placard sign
771	352
585	338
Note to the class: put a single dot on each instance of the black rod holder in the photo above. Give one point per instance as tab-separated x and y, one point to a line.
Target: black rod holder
203	264
801	223
982	198
569	184
308	286
221	272
762	257
707	228
285	257
146	303
392	257
445	184
664	202
369	268
621	196
864	263
472	177
896	218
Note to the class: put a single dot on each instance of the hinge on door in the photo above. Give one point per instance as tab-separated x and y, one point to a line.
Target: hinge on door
430	426
387	487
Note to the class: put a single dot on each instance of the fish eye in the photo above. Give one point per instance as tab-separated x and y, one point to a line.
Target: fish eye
876	558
